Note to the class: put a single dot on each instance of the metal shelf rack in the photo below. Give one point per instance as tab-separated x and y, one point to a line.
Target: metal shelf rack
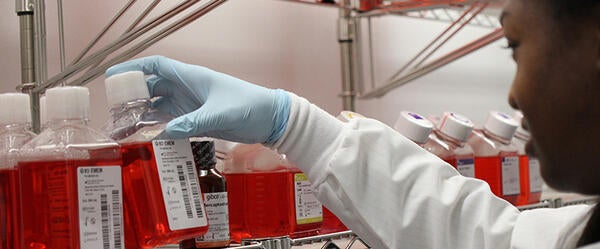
458	13
326	241
143	32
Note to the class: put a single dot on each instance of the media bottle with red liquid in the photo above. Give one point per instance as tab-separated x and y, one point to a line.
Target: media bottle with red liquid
496	158
214	188
268	197
160	182
448	142
71	185
531	179
15	131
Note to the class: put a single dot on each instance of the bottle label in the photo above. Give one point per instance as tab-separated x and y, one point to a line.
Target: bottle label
308	208
100	207
510	176
179	183
218	218
535	179
466	167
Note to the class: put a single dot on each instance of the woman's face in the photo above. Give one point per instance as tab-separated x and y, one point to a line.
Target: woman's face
557	86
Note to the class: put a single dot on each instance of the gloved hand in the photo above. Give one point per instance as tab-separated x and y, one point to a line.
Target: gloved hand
210	103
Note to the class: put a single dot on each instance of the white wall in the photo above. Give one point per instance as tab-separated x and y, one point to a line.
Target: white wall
291	46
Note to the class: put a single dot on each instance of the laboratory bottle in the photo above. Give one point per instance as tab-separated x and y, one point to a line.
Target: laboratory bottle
71	185
162	193
448	142
496	157
268	196
531	179
414	127
15	116
214	188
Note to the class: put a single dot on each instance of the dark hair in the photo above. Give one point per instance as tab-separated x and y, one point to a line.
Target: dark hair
572	9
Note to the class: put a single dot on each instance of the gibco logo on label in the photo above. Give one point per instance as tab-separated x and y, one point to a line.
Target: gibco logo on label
212	197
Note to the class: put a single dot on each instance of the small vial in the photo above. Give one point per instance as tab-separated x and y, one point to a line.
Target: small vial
448	142
214	188
71	185
162	193
496	158
531	179
15	131
414	127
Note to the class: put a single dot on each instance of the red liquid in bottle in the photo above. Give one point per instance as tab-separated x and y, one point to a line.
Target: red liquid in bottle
524	173
331	223
143	193
131	241
489	169
49	194
262	205
535	181
9	208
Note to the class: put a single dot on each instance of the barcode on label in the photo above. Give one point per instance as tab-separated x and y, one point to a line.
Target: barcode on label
196	195
116	208
185	192
104	219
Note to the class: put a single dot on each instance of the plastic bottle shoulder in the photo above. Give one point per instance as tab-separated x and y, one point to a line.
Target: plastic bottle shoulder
484	146
136	124
68	140
438	147
12	140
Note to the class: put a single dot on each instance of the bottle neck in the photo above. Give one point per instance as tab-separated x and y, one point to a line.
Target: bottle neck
138	104
522	136
453	141
206	166
495	137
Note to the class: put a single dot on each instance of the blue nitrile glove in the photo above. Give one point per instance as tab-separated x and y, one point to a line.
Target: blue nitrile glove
210	103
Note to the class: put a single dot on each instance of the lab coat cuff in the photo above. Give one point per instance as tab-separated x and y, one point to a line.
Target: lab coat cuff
311	134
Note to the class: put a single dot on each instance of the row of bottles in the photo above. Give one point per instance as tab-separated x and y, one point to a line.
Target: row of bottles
495	153
130	186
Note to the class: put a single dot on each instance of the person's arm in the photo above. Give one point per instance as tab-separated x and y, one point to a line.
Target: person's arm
390	191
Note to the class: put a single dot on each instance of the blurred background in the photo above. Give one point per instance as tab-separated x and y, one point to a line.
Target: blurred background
286	45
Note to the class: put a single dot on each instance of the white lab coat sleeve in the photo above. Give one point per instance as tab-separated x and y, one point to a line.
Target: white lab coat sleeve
551	228
390	191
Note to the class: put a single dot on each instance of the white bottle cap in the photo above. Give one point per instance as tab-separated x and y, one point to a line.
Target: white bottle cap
518	117
14	108
455	126
124	87
501	125
414	126
69	102
346	116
